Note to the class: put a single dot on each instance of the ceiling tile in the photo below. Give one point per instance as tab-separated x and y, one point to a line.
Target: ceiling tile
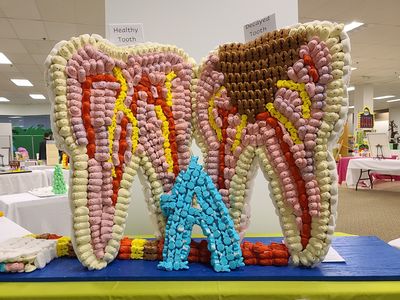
20	9
90	12
28	68
60	31
29	30
20	58
57	10
11	46
8	69
40	58
38	47
376	34
6	31
87	28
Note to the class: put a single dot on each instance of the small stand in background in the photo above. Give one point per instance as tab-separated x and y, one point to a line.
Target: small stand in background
379	152
59	186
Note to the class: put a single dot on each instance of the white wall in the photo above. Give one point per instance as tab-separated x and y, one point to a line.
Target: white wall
394	114
350	122
198	27
24	110
6	143
382	126
382	122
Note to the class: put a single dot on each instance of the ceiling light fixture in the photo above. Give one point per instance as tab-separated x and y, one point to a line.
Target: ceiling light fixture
352	25
393	100
350	107
22	82
384	97
4	59
3	99
353	68
37	96
351	88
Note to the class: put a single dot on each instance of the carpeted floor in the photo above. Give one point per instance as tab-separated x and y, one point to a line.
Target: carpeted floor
370	212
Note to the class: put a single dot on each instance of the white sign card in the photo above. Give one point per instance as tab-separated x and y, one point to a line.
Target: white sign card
378	138
333	256
259	27
125	33
52	157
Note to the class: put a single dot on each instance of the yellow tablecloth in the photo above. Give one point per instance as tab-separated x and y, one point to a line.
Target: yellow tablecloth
209	290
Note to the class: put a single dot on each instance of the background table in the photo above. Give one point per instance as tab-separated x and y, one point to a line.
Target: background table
50	174
342	166
382	166
22	182
40	167
49	170
38	215
10	229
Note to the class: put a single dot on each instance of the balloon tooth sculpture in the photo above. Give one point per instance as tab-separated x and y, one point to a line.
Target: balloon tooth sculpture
281	98
115	109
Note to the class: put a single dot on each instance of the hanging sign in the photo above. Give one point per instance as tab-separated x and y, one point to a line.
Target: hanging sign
259	27
126	33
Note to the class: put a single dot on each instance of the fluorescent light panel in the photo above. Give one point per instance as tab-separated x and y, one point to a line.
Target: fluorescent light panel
22	82
351	88
4	59
37	96
352	25
393	100
384	97
350	107
353	68
3	99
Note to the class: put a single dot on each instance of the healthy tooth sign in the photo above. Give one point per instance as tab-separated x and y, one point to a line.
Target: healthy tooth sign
281	98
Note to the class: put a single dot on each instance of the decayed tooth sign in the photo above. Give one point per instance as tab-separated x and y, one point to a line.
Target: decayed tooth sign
281	98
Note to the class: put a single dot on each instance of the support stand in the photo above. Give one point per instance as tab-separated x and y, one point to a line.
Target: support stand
365	178
379	152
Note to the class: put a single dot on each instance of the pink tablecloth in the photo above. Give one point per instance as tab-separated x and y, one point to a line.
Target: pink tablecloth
342	170
342	167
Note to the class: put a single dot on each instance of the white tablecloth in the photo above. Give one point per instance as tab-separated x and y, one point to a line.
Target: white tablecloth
382	166
38	215
40	167
9	229
22	182
50	173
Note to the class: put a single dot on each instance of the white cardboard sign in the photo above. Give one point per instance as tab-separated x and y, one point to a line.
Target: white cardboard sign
126	33
259	27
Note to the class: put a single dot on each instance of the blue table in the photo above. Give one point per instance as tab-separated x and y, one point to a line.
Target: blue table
367	258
